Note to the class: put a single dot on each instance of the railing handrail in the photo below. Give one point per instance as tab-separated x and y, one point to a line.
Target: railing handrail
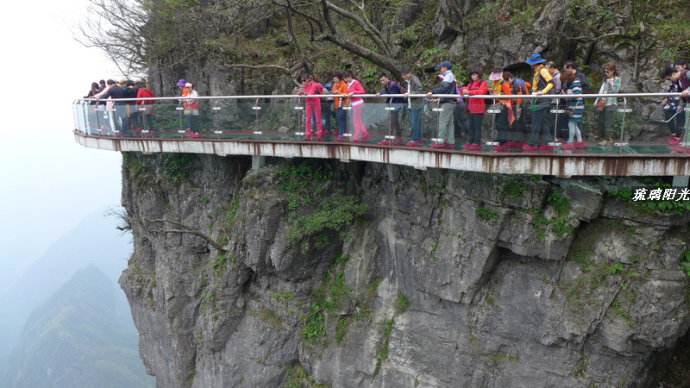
294	96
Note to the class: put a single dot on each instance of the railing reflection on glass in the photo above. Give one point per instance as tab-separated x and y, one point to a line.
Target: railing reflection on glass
633	124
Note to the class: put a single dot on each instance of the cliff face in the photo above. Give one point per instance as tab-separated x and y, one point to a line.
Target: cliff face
371	275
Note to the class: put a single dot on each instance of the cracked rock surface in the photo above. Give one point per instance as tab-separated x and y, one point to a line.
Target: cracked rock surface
446	279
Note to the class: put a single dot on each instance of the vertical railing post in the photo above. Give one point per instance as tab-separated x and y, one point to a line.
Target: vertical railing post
390	110
438	110
349	124
256	108
493	110
180	109
299	109
623	110
216	109
556	144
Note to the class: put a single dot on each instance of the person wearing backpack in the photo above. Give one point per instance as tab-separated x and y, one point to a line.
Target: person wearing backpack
313	104
392	87
542	83
520	108
477	106
446	130
146	106
414	105
506	118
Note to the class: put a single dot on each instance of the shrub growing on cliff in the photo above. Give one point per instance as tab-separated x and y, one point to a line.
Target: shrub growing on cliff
333	214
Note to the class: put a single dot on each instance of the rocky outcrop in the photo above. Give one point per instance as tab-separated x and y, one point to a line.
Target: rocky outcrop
371	275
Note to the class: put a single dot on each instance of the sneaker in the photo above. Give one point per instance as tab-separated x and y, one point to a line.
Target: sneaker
340	138
528	147
319	136
545	147
569	146
450	146
396	141
674	141
437	145
475	147
499	148
415	143
466	146
580	145
384	143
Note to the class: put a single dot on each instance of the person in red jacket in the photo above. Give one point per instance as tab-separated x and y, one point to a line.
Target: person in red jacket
476	87
145	106
313	104
354	87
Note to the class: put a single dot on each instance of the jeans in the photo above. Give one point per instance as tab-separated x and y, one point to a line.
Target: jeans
460	120
677	123
540	126
606	120
394	124
120	118
414	122
502	126
148	122
193	122
475	133
446	130
341	120
326	113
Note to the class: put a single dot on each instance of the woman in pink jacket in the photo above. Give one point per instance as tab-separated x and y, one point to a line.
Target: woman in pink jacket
354	87
310	87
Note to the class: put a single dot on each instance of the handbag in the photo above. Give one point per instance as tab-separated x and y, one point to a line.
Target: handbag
599	105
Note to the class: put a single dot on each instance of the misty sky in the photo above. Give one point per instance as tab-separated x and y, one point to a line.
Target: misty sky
47	182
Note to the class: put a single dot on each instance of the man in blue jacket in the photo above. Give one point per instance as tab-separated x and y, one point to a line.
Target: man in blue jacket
446	130
390	87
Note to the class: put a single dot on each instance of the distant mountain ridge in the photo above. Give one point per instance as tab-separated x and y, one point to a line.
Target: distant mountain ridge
93	240
74	339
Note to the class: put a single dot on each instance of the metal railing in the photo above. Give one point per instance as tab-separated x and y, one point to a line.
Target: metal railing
636	120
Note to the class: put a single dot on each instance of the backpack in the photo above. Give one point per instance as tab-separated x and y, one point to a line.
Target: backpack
685	81
403	90
519	87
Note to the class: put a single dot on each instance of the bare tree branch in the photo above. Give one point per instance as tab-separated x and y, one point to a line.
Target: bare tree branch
185	230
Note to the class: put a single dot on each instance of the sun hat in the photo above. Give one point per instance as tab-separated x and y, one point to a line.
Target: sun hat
495	76
181	82
534	59
188	85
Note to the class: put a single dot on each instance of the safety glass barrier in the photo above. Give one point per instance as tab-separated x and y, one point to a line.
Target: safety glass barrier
630	125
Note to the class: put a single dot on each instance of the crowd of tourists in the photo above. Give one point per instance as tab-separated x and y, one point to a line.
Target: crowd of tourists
519	123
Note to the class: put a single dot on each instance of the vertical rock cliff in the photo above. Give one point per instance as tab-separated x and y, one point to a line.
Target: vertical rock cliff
322	273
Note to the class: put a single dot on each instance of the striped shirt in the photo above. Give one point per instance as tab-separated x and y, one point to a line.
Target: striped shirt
575	105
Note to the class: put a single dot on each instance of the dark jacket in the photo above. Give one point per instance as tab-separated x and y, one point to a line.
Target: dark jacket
115	92
393	88
448	86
